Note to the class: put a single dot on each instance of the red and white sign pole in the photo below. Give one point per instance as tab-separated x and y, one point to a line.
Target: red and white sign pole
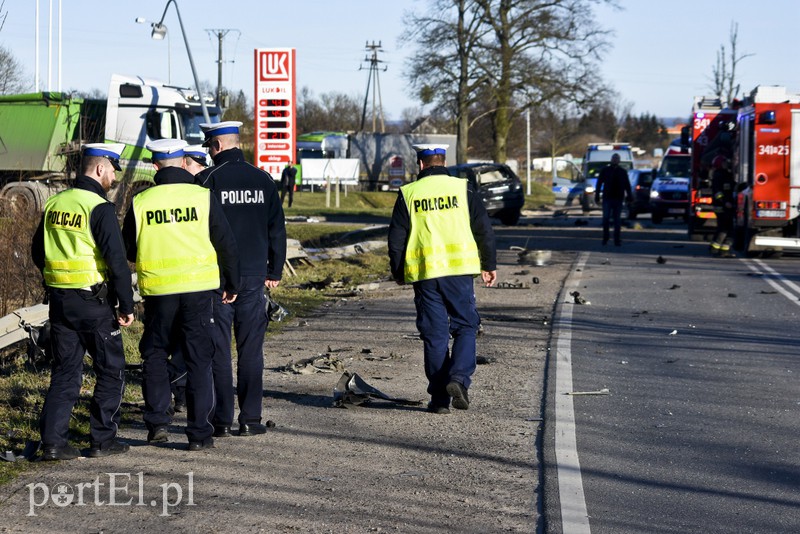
275	117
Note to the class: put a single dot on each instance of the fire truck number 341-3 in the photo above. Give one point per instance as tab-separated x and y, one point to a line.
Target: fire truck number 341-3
773	150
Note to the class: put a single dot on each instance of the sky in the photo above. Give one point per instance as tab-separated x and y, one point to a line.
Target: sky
661	55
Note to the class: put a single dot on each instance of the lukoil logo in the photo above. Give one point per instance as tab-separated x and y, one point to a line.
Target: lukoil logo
273	66
114	492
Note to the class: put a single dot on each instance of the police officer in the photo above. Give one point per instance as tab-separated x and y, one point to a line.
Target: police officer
439	238
175	232
288	178
249	198
78	248
615	186
722	189
196	159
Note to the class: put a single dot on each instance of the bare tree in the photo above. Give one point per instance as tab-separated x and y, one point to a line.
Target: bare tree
725	86
12	74
443	69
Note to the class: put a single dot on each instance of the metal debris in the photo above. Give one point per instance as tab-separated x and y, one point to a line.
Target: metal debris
578	299
513	284
351	389
319	364
661	259
603	391
673	333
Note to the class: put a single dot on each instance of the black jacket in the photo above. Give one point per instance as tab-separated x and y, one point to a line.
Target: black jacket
106	234
613	182
250	200
400	228
219	230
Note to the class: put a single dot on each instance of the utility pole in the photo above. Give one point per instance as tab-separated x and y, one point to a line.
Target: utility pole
374	68
220	34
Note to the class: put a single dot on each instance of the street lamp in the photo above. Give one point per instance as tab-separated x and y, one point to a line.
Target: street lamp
158	33
142	20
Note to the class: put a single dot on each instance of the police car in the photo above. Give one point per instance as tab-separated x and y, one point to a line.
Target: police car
669	193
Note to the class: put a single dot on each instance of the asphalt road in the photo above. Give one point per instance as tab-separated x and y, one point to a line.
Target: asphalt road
696	359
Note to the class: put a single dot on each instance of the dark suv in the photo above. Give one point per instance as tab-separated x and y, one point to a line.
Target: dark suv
500	189
641	180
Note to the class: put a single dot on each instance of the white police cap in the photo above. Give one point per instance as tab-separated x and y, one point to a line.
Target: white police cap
197	153
166	148
110	151
424	150
219	128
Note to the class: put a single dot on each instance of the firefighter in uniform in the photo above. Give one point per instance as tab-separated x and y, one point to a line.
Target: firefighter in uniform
79	249
722	189
176	233
250	200
439	238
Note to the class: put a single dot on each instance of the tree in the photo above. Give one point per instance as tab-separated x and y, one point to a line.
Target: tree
539	51
332	112
12	74
725	86
446	39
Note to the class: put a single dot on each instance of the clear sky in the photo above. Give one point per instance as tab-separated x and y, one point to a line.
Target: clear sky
662	51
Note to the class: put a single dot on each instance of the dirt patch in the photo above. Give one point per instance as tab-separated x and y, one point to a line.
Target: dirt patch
381	467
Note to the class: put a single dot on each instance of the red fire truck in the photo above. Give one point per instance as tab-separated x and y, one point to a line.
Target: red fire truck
766	165
712	134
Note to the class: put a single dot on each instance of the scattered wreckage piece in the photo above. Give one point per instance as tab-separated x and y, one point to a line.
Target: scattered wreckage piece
513	284
540	258
352	390
324	363
578	299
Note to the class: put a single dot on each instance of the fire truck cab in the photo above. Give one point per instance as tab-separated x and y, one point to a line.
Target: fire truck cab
712	134
767	170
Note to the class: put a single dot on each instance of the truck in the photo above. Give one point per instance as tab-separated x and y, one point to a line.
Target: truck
711	134
597	156
41	135
766	166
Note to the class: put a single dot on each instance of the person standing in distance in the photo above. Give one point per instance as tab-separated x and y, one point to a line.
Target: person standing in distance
78	247
249	198
440	237
175	232
288	181
615	187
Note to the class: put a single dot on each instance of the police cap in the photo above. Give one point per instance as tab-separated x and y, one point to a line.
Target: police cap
219	128
425	150
166	148
197	153
110	151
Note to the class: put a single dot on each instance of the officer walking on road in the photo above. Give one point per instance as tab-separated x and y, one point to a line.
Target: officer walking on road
439	238
722	188
176	232
78	248
249	198
615	187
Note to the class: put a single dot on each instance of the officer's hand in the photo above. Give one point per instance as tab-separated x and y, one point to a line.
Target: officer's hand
271	283
125	320
227	298
489	277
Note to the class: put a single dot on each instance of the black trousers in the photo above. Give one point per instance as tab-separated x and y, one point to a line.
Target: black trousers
81	324
189	316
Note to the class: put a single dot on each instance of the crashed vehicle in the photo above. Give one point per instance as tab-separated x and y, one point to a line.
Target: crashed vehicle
500	189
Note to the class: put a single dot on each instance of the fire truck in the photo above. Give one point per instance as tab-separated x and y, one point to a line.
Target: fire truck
766	165
712	134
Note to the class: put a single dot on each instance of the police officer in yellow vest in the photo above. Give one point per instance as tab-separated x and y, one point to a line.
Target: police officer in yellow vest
79	249
440	237
176	232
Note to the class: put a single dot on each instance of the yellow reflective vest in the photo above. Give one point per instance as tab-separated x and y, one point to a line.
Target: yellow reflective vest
72	259
440	241
174	250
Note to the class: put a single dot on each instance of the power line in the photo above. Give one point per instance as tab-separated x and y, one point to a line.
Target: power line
220	35
374	68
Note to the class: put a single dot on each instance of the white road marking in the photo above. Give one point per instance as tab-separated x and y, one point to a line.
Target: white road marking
771	275
574	517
